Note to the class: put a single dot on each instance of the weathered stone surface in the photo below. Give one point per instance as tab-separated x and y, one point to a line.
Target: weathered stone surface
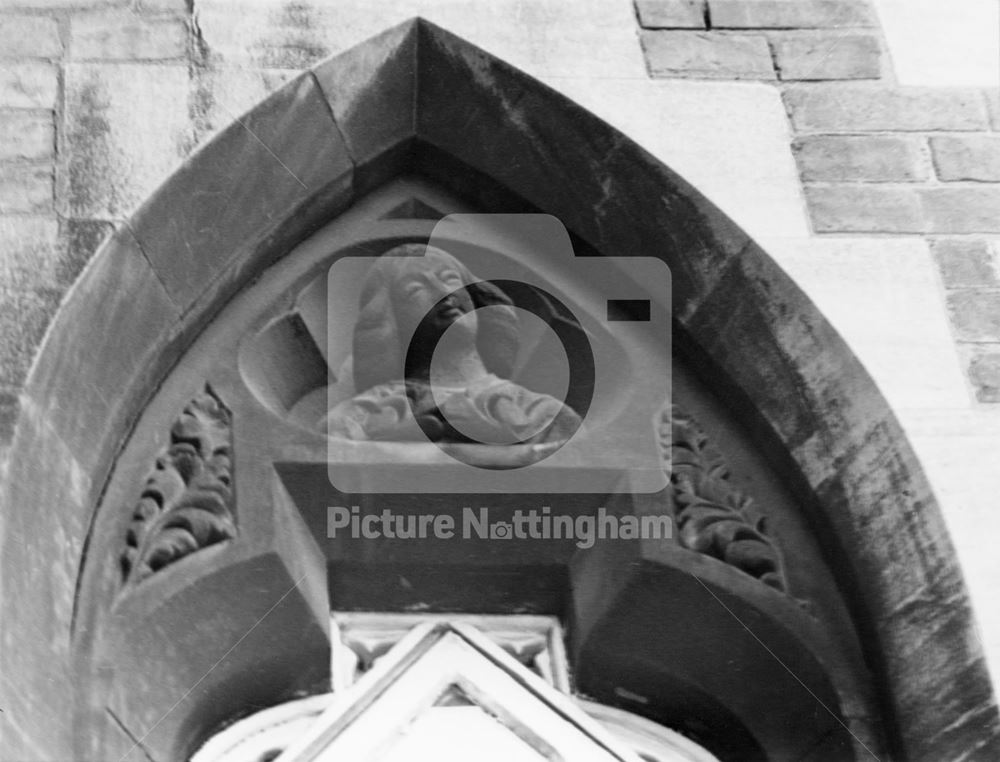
864	209
798	363
671	14
975	314
164	6
707	55
41	555
749	173
593	38
848	107
906	346
60	4
125	35
29	252
80	239
158	658
560	158
973	157
827	56
38	254
284	160
962	210
968	262
29	37
84	401
373	112
23	319
870	481
26	188
612	659
983	362
9	408
874	158
272	36
914	581
222	92
965	695
28	85
26	135
993	105
126	127
790	14
63	757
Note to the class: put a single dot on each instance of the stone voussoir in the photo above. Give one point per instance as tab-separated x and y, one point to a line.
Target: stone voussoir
210	209
119	289
24	317
373	116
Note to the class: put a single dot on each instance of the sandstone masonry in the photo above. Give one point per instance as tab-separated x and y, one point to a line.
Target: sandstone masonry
875	158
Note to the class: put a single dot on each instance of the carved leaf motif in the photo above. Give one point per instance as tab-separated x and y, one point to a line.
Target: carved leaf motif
713	516
186	504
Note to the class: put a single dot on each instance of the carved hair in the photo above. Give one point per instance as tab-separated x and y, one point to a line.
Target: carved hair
378	354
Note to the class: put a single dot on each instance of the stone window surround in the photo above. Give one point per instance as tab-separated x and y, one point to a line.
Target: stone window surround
396	635
133	257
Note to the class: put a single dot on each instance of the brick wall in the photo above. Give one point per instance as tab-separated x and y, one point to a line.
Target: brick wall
875	158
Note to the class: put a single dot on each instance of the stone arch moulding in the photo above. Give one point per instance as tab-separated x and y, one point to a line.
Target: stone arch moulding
403	102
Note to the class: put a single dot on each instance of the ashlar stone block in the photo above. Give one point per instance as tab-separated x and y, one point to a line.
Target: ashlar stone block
707	55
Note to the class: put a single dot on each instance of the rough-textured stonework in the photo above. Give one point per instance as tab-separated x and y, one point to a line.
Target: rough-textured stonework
794	14
861	158
79	80
80	77
672	14
707	55
858	142
789	41
74	75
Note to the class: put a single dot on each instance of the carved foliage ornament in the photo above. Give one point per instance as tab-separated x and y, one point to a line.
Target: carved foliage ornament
712	516
187	502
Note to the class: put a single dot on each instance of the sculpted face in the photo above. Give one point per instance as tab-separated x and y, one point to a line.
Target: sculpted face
420	286
446	382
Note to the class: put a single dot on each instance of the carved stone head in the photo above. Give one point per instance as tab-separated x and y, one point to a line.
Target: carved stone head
411	282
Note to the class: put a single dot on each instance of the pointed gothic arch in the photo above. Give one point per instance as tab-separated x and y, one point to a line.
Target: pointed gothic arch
417	100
